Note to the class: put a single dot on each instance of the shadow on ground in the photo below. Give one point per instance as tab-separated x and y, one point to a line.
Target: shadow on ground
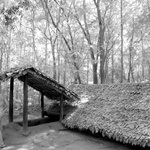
54	136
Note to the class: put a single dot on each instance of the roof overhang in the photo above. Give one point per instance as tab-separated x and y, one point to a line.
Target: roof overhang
40	82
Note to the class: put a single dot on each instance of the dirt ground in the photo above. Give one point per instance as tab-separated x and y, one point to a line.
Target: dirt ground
53	136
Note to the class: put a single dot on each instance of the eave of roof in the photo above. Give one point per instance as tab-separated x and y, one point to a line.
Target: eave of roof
118	111
39	81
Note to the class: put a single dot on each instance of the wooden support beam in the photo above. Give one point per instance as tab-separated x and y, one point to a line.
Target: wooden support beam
38	121
42	105
61	107
11	100
25	106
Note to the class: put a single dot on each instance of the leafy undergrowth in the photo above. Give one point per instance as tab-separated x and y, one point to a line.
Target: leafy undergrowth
55	108
118	111
34	112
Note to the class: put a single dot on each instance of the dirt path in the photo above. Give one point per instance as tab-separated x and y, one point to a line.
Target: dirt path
52	136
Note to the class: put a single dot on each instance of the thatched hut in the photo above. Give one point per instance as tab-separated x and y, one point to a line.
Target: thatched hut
118	111
39	81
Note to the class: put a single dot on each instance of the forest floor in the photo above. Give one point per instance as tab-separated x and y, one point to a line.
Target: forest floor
53	136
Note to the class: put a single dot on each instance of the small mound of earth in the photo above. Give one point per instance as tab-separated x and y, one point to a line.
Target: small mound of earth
12	134
13	126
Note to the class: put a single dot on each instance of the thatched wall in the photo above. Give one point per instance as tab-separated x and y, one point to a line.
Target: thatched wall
118	111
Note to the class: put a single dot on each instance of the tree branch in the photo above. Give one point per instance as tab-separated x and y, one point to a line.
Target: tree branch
54	24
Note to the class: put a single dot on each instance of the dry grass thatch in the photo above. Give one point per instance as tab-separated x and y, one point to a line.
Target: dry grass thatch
118	111
39	81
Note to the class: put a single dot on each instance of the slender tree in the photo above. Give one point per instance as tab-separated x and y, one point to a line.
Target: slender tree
121	16
77	78
142	47
86	32
130	72
100	42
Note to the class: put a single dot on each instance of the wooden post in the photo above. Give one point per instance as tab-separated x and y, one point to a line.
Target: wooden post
42	105
25	106
11	100
61	107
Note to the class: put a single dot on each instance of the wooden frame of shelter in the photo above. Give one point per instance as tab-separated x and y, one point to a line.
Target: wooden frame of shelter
42	83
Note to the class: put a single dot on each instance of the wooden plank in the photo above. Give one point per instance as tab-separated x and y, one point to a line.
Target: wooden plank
25	105
11	100
42	105
39	121
61	107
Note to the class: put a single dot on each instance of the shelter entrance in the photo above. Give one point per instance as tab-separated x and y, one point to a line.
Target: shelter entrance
48	87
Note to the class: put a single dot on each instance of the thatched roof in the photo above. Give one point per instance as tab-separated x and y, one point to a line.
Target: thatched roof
39	81
118	111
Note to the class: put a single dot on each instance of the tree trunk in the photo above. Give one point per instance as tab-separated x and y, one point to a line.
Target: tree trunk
46	44
112	68
87	78
148	70
1	64
130	73
64	77
106	70
121	15
86	33
35	58
142	43
102	53
130	65
58	62
54	62
95	79
9	47
77	78
64	70
55	24
100	42
102	70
